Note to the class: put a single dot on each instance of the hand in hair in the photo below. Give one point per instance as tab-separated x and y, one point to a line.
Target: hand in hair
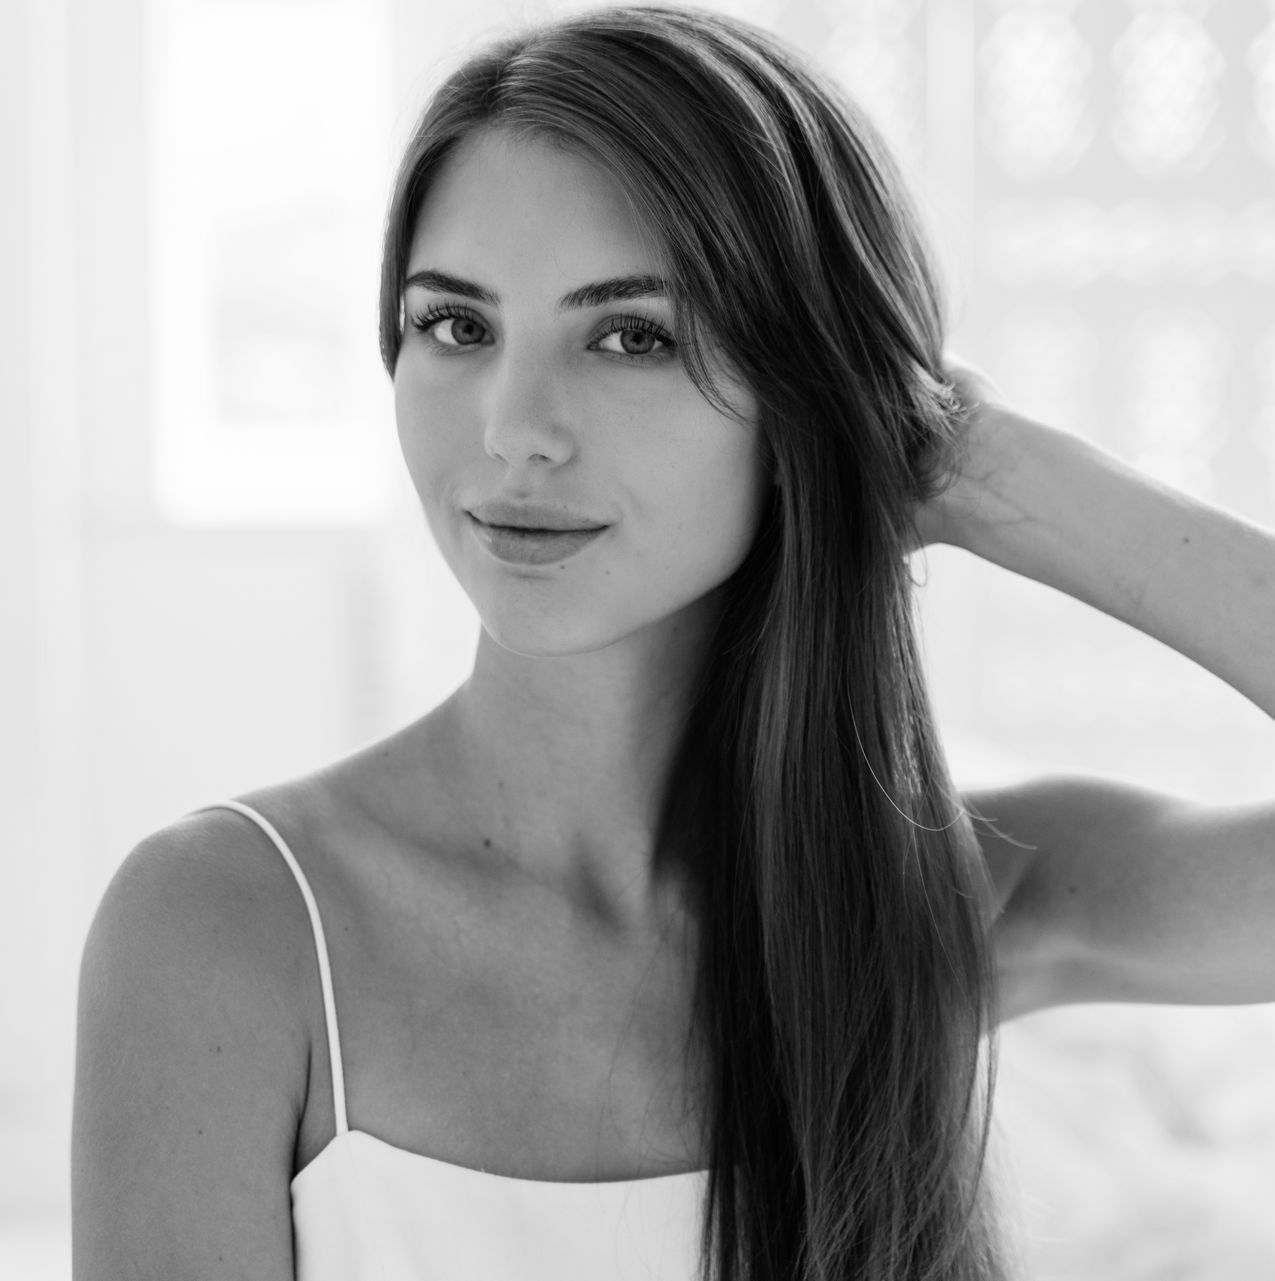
949	517
1053	507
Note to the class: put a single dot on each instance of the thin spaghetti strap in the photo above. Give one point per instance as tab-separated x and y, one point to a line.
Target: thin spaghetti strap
320	946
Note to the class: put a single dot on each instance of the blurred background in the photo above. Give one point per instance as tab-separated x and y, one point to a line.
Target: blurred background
214	575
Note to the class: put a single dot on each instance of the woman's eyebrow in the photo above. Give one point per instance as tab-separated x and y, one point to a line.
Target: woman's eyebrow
617	288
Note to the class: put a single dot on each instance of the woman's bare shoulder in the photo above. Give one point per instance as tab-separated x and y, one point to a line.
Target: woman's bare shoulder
205	894
192	1056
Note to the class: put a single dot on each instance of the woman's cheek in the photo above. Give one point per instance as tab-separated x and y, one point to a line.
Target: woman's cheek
431	436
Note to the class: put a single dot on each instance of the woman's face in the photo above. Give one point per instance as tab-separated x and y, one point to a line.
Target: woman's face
527	402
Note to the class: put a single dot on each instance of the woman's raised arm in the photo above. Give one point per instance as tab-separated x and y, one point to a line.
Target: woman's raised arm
1053	507
1112	892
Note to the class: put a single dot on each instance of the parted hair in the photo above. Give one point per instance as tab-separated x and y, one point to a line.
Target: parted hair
844	985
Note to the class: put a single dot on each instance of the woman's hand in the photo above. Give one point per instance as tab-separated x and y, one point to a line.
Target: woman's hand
1053	507
952	515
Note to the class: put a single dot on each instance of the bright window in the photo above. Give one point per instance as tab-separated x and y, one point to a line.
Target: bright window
270	128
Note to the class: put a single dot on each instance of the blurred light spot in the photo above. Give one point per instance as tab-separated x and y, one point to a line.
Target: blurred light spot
1036	70
1261	61
1169	70
1177	362
1073	242
1048	354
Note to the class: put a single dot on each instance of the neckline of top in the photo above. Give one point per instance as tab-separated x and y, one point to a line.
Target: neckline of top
469	1171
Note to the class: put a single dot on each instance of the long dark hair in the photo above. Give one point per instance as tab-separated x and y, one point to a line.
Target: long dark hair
844	985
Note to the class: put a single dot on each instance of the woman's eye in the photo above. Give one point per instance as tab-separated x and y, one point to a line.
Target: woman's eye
640	332
431	320
649	339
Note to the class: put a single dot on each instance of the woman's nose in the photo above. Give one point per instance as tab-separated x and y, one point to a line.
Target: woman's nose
524	416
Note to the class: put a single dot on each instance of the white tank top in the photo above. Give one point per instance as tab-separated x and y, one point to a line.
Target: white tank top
364	1210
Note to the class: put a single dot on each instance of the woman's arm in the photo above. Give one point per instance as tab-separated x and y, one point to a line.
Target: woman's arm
190	1064
1057	509
1113	892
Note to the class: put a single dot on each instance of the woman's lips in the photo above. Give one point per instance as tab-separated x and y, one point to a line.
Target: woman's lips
533	546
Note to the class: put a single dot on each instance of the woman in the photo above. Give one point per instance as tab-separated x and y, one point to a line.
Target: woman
664	946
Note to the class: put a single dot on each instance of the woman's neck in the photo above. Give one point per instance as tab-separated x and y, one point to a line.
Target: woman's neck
562	764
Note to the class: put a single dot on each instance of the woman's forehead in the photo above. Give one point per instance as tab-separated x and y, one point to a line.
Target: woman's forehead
501	196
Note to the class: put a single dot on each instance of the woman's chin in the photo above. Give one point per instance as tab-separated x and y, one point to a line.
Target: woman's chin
547	636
